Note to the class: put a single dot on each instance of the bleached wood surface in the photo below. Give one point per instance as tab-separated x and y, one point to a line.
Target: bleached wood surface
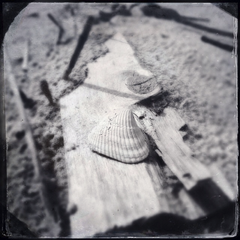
164	129
205	184
107	192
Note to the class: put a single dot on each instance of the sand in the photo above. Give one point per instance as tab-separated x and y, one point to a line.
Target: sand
200	78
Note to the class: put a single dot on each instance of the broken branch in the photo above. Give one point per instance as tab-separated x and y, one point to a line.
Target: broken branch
81	41
28	135
61	30
25	57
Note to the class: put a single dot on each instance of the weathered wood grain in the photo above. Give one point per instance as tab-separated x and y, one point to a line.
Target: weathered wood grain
206	185
164	129
107	192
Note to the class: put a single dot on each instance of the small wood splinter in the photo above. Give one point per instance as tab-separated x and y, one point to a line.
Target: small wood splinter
46	91
25	56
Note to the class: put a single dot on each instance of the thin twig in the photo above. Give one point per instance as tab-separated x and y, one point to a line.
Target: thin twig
29	136
25	56
61	29
81	41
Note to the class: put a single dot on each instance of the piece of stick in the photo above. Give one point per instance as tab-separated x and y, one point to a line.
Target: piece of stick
81	41
216	43
174	152
25	56
29	138
46	91
61	30
207	187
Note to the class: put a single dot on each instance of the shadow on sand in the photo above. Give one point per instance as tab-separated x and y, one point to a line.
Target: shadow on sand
154	10
221	222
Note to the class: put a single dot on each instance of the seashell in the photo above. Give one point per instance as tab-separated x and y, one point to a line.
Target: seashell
120	138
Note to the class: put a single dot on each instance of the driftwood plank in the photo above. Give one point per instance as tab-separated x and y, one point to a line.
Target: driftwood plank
207	186
164	129
221	182
107	192
180	203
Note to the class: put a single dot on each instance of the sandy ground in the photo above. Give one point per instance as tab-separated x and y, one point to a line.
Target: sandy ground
200	77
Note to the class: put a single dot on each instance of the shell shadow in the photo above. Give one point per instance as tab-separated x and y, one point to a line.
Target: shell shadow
127	163
158	102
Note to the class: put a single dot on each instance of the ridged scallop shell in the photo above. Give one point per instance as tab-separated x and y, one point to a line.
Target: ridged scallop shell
120	138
